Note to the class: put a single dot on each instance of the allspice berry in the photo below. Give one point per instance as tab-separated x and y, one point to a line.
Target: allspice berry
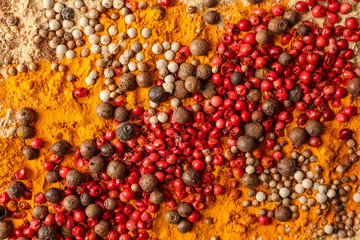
107	150
253	1
291	16
25	132
60	148
71	202
88	148
284	58
157	197
127	82
191	177
209	90
303	30
47	232
121	114
246	143
199	47
210	3
143	79
180	91
287	167
16	189
184	226
148	182
261	73
254	94
115	169
204	72
270	107
125	131
254	130
110	204
249	180
40	212
237	78
283	214
6	229
185	209
192	84
53	195
157	94
295	94
25	116
97	164
30	153
74	178
3	213
263	37
52	176
172	217
353	87
102	228
181	115
298	136
86	199
186	70
278	25
105	110
314	128
258	116
93	211
211	17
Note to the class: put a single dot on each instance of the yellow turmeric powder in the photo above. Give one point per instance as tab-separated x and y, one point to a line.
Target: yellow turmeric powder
62	116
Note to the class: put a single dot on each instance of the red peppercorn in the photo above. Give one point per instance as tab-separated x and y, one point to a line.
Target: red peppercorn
349	111
20	174
341	117
194	216
80	92
318	11
352	23
166	3
48	166
264	220
345	8
36	143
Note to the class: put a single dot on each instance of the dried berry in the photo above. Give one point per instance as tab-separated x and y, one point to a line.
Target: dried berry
121	114
71	202
254	94
278	25
127	82
102	228
253	1
16	189
40	212
298	136
107	150
287	167
209	90
283	214
65	232
270	107
115	169
60	148
285	58
254	130
143	79
186	70
53	195
191	177
110	204
263	37
148	182
249	180
157	197
211	17
4	212
353	87
86	199
68	13
180	91
30	153
88	148
74	178
185	209
291	16
47	232
237	78
210	3
261	73
157	94
258	116
303	30
245	143
125	131
203	72
295	94
97	164
25	132
199	47
159	12
181	115
105	110
192	84
184	226
25	116
52	177
172	217
314	128
93	211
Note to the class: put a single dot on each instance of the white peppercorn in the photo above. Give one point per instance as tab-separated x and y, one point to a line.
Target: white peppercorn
154	120
106	3
123	60
299	188
163	117
84	21
95	49
89	81
54	25
118	4
61	50
284	192
67	24
161	64
175	102
168	87
153	104
131	32
105	39
146	32
109	73
321	197
356	197
77	34
307	183
104	95
114	48
139	56
169	78
260	196
94	39
166	45
169	55
328	229
70	54
132	66
175	47
173	67
113	30
129	18
124	11
157	48
250	169
302	199
47	4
